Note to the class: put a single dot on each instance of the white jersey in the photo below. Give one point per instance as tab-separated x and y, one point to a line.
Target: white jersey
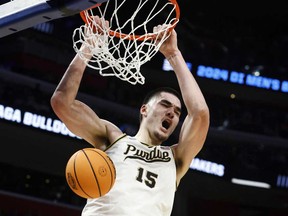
145	181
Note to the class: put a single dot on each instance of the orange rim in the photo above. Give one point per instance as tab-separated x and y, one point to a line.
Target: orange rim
136	37
82	14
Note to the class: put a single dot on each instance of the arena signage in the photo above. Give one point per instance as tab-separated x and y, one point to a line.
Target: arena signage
235	77
207	167
242	78
34	120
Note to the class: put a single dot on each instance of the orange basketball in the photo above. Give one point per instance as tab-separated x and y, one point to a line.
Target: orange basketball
90	173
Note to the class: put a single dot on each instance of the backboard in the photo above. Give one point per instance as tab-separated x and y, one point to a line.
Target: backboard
17	15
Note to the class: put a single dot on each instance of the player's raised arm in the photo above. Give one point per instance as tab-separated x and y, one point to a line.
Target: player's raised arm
195	126
77	116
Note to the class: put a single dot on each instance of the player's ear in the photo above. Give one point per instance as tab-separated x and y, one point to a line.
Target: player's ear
143	110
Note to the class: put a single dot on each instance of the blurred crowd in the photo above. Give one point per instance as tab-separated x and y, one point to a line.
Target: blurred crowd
37	184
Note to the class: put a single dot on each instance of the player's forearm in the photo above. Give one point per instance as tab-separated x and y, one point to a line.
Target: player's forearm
70	82
191	93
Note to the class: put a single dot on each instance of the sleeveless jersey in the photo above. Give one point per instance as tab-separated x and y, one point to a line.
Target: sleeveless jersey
145	181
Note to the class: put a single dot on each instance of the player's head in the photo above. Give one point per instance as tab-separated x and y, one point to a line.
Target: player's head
160	112
156	92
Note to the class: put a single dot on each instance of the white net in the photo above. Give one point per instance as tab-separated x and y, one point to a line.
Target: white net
120	48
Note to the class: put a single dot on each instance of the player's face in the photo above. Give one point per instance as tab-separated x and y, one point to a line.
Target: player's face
163	114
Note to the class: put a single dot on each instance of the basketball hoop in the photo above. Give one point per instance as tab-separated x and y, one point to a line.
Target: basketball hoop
129	41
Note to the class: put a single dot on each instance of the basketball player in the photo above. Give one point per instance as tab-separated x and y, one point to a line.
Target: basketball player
147	174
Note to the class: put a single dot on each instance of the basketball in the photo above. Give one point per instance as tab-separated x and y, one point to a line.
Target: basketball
90	173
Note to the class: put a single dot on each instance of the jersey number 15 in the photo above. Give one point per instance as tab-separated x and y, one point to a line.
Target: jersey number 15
149	178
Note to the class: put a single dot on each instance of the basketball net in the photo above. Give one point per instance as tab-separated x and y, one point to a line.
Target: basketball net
121	48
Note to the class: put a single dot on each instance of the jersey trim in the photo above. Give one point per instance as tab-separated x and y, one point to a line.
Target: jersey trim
121	137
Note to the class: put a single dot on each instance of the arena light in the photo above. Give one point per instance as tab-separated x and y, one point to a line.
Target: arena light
167	67
45	27
250	183
282	181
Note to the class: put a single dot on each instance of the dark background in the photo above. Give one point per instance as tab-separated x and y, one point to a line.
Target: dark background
248	134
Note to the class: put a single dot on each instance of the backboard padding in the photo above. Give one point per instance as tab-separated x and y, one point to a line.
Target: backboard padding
18	15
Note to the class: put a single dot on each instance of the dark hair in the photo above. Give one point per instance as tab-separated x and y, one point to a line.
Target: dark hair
156	92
